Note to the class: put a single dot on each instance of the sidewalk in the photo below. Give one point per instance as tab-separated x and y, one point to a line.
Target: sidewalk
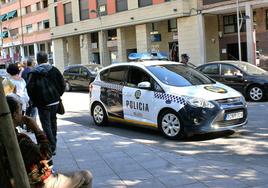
120	162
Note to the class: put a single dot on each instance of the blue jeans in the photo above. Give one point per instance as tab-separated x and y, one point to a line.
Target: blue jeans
48	118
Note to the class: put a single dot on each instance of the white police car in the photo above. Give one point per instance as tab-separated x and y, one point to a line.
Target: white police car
169	96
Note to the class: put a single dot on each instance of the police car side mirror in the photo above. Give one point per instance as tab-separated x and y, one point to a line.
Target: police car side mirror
144	85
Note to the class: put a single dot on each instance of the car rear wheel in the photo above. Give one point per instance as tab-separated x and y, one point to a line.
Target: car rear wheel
99	115
170	125
255	93
68	86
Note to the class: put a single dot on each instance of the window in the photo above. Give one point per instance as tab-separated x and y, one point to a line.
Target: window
45	4
42	47
137	76
210	69
68	17
46	24
39	26
230	24
172	25
14	32
56	16
229	70
94	37
121	5
28	9
104	75
38	6
102	4
117	75
83	9
112	34
266	19
74	70
144	3
31	50
29	28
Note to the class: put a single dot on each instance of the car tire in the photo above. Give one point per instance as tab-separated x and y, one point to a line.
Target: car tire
68	86
99	115
255	93
170	125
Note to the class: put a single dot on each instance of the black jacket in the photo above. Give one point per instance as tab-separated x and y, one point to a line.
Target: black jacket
45	85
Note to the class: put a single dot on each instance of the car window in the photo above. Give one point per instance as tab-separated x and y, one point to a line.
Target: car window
179	75
136	76
74	70
229	70
117	75
210	69
84	71
104	75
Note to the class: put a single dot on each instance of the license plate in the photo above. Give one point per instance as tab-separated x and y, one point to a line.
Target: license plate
232	116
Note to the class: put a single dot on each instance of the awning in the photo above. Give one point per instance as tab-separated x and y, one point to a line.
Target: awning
11	14
4	34
3	17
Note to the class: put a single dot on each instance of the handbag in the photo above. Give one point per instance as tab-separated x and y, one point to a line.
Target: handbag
61	109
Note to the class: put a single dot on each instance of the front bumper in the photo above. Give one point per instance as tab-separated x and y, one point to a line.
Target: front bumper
205	120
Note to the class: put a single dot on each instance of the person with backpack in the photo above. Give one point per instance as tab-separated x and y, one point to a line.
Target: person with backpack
45	87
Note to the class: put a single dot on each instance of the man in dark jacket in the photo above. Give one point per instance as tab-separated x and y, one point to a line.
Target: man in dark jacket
45	87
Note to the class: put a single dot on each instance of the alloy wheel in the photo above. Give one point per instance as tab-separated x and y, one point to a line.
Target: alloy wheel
98	114
170	125
256	93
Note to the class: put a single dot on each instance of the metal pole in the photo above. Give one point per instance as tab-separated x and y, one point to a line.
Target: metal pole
238	30
22	34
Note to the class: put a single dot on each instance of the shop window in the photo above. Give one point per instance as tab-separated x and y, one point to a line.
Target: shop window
42	47
31	50
94	37
68	17
144	3
121	5
83	9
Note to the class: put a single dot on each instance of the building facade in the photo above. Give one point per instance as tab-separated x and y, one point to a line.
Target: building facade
25	29
106	31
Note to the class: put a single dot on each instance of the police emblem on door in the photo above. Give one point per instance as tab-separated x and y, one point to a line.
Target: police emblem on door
138	94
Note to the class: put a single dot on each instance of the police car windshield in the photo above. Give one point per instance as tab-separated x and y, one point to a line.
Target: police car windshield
179	75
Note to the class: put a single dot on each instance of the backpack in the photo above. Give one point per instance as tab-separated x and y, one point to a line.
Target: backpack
41	90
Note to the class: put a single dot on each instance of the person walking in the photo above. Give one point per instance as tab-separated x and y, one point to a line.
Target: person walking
45	87
37	157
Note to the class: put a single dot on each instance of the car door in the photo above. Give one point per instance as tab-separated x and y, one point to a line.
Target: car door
72	76
232	76
211	70
139	102
111	94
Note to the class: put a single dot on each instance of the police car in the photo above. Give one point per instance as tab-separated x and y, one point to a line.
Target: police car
169	96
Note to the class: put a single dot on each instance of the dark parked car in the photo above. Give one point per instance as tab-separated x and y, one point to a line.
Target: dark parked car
80	76
249	79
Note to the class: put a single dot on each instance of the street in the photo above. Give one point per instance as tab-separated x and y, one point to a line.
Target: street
242	156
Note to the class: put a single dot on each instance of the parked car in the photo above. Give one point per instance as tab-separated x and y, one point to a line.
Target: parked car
246	78
169	96
80	76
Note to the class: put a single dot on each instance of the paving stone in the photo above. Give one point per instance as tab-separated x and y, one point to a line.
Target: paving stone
224	183
152	183
177	180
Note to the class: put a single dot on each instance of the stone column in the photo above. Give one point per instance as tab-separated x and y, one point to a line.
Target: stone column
60	53
74	56
22	53
86	49
191	38
143	38
103	48
251	44
35	49
121	44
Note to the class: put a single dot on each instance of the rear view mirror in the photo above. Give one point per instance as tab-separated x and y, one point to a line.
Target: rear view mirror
144	85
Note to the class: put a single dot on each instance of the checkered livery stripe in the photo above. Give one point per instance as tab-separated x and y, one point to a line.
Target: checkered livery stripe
109	85
168	97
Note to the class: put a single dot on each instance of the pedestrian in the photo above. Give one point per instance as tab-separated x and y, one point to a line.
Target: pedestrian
31	110
45	87
19	83
38	157
185	58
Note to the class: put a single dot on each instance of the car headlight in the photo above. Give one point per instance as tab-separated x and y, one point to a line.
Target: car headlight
197	102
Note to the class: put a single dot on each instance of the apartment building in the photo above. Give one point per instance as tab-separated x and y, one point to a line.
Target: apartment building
24	29
106	31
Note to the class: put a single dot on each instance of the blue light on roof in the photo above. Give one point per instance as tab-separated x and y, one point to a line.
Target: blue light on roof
148	56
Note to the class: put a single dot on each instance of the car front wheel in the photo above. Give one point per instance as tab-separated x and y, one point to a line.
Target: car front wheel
170	125
99	115
255	93
68	86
